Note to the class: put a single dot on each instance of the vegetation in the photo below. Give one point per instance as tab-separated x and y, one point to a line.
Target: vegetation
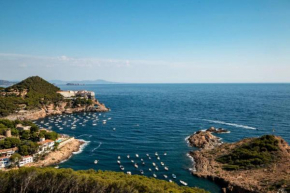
66	180
257	153
26	141
81	101
39	92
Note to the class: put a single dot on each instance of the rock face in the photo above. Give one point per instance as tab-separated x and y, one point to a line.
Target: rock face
204	139
265	179
214	130
56	110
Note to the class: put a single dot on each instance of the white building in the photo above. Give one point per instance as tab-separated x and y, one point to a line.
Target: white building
45	145
4	161
67	94
25	160
5	155
82	93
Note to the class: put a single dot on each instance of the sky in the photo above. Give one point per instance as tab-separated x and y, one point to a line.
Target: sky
152	41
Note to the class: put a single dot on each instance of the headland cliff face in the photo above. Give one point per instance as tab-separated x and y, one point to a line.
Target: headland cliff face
52	109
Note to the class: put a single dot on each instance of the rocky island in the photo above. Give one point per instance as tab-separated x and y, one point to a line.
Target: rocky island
250	165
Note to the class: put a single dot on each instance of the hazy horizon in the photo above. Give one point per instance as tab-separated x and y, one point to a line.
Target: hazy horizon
146	41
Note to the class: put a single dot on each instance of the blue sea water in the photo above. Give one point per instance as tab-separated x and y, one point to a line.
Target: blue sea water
151	118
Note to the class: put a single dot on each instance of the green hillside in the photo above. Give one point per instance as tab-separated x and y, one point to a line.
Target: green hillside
39	92
257	153
66	180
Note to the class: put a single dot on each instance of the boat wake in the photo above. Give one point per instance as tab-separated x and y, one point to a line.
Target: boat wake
97	147
230	124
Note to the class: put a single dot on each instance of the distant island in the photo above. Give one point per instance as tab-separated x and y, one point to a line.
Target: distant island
74	84
251	165
5	83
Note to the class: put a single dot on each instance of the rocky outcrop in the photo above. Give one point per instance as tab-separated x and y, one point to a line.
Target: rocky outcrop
215	130
204	139
270	178
52	109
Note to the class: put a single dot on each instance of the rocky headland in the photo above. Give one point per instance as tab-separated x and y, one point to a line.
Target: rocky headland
52	109
250	165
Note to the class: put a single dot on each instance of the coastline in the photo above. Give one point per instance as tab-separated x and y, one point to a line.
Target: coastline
60	155
252	180
55	110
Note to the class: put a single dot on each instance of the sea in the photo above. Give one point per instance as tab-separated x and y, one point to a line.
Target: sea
157	118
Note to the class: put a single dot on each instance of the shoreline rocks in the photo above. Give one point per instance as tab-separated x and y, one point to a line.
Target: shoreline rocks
52	109
204	140
215	130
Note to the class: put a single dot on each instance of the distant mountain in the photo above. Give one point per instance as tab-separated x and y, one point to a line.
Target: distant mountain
6	83
99	81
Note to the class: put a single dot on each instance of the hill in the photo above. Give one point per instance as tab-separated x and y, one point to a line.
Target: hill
250	165
30	93
66	180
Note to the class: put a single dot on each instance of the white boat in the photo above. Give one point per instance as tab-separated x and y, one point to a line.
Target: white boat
183	182
170	181
96	161
56	167
135	165
156	168
154	175
94	124
150	169
129	173
122	167
137	155
109	118
162	163
149	157
114	129
142	160
142	172
147	154
158	158
153	164
165	176
166	168
156	153
143	163
173	176
119	157
128	156
118	161
132	161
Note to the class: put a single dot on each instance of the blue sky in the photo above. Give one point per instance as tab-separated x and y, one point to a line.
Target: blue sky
146	41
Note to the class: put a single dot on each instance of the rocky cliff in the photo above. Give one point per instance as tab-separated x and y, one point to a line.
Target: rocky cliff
204	139
63	107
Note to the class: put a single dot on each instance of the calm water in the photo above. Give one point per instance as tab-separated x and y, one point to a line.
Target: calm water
153	118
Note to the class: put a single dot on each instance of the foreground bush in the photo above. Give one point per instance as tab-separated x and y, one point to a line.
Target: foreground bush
51	180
